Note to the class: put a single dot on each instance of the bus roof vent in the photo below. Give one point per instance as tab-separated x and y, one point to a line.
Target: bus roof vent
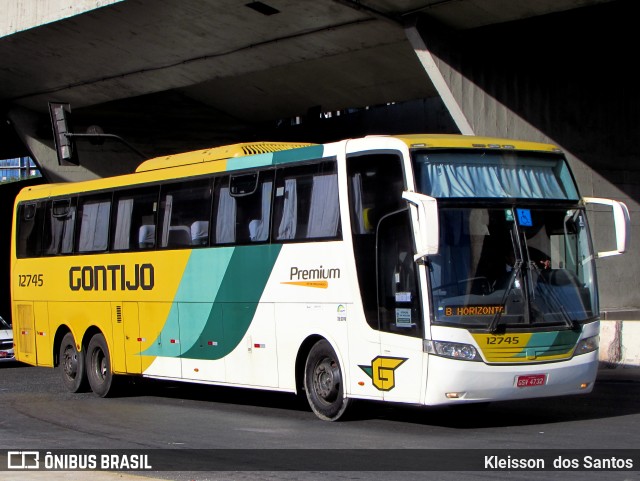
217	153
256	148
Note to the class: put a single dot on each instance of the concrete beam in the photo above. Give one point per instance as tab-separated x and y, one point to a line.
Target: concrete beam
28	125
19	15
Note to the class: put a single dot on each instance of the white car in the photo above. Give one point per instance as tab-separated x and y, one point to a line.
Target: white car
6	342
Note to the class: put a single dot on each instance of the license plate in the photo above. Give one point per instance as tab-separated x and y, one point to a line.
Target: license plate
531	380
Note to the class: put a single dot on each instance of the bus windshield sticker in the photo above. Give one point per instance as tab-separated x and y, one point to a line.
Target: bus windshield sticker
403	317
508	215
403	296
524	217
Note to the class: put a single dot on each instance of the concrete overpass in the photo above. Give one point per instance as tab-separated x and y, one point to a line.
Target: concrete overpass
185	74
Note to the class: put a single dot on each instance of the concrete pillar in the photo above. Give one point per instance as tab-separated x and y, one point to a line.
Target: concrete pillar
442	85
619	346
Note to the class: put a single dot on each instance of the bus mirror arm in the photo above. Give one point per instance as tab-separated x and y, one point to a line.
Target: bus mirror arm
424	216
621	222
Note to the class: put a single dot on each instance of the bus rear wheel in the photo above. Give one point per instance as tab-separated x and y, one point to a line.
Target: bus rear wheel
99	372
72	365
323	382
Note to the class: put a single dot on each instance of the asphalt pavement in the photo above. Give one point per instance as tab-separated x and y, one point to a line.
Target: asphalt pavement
73	476
623	375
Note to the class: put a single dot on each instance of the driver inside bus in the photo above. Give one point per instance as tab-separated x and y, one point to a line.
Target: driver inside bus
542	262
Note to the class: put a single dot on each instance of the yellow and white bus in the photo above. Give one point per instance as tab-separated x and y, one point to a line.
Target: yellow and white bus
422	269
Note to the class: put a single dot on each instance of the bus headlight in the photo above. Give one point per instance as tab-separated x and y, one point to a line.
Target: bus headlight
589	344
454	350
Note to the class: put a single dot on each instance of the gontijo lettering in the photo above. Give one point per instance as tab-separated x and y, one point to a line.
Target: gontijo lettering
113	277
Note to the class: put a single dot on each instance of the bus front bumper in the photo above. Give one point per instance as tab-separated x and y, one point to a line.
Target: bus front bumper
453	381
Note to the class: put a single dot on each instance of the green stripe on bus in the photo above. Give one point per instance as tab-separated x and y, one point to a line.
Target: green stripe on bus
296	155
235	278
550	343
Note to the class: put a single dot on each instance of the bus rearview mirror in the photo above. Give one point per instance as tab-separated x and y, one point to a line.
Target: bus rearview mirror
621	224
424	215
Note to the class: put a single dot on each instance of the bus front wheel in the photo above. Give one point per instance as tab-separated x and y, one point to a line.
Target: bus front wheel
323	382
99	367
72	365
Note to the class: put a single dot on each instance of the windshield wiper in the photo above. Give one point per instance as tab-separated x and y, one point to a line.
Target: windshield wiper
555	303
517	267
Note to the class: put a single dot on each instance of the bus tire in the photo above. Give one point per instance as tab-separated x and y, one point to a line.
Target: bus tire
323	382
72	365
99	372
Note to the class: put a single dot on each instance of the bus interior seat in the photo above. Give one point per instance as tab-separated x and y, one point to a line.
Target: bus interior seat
179	235
258	231
146	236
200	233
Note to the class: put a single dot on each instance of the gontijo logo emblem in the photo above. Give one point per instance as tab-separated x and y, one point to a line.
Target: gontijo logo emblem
382	371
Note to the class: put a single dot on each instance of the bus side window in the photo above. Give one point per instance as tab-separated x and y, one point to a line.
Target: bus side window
255	210
135	219
243	208
30	225
306	203
184	213
224	211
93	212
59	226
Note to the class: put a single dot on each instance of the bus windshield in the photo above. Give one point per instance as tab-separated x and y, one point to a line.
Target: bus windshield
524	267
515	263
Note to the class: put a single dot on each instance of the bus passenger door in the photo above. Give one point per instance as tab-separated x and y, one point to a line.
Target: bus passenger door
375	185
400	369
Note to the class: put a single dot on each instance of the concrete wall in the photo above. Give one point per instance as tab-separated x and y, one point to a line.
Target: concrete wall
18	15
567	79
